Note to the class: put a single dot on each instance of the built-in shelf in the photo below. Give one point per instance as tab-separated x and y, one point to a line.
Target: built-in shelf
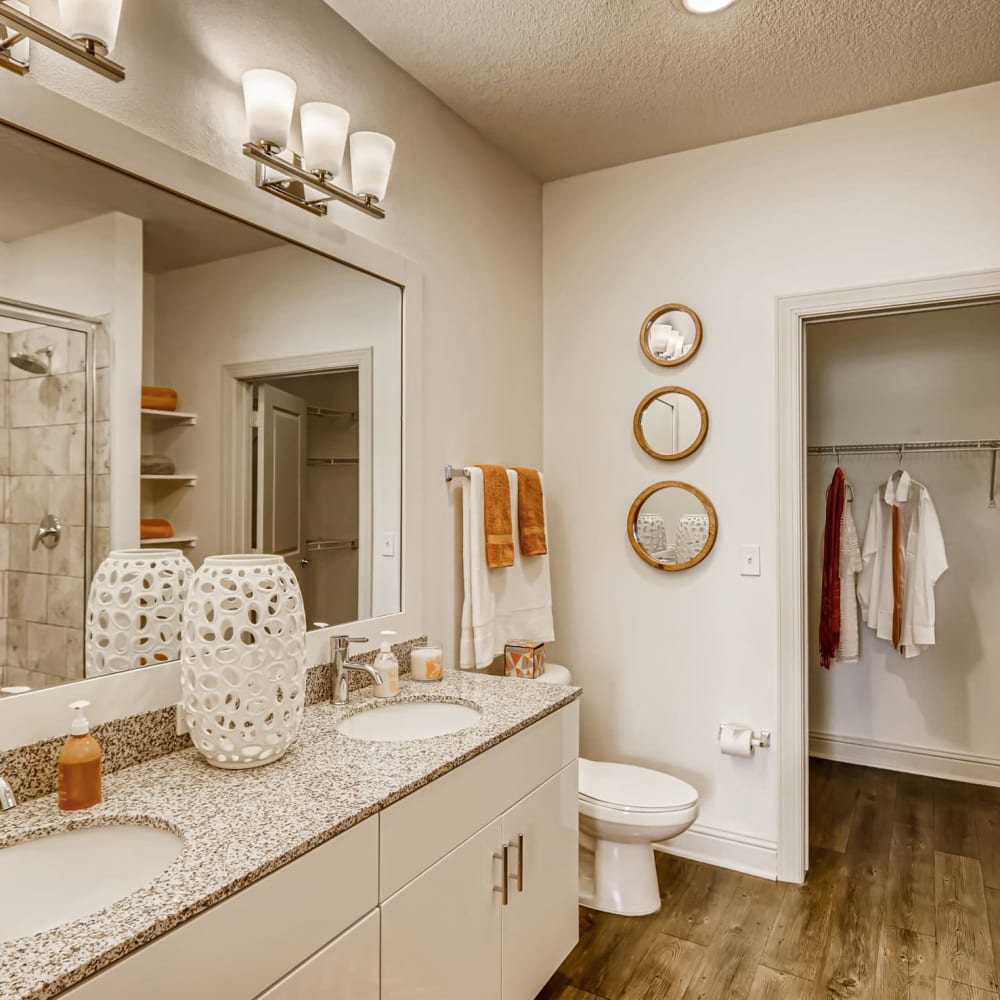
179	480
157	543
329	544
174	416
331	461
322	411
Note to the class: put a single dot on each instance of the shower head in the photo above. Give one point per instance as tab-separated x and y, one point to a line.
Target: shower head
34	363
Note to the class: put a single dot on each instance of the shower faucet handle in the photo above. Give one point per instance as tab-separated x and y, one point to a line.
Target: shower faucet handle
49	532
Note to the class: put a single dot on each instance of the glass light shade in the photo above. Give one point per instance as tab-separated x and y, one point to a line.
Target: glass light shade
269	97
93	20
707	6
324	136
371	162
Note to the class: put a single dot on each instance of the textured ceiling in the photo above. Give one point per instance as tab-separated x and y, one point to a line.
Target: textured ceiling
568	86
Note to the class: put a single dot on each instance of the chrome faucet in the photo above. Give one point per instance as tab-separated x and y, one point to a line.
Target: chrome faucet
340	664
7	800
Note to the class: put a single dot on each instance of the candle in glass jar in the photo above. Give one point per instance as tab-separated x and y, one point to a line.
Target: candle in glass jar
427	662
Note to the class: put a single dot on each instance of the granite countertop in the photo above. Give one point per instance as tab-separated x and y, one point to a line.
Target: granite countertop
238	826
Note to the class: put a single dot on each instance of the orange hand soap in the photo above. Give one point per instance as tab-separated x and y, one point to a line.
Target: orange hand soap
79	764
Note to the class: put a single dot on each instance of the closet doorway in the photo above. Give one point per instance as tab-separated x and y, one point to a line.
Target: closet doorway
862	372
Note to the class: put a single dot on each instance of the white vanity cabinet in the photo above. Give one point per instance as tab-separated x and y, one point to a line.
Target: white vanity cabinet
407	904
347	967
452	931
540	921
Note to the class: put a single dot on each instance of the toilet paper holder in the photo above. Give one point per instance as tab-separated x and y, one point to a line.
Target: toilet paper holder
760	740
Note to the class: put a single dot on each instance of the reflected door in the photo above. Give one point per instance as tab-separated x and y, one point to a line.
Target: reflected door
281	466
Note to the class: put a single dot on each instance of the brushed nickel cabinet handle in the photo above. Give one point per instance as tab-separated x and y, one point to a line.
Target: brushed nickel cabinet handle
504	859
520	862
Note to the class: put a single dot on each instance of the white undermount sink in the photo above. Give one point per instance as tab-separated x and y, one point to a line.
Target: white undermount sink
54	879
409	720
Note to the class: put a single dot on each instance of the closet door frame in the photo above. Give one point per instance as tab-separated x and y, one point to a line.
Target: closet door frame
793	315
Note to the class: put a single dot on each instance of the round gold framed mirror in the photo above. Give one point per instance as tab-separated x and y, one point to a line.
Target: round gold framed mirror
671	335
672	526
670	423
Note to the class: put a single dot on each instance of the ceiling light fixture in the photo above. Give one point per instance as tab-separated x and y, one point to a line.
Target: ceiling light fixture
269	97
90	30
705	6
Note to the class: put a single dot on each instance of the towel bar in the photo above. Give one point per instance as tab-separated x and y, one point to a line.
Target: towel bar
454	472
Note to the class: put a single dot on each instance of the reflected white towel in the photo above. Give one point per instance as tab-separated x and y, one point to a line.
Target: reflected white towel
500	604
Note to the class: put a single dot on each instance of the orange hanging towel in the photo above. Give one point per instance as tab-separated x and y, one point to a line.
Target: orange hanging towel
530	513
497	518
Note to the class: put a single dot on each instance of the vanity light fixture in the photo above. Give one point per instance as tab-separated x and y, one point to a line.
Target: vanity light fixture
90	30
307	179
705	6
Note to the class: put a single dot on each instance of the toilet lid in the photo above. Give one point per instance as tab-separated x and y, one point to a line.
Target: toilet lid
555	673
637	789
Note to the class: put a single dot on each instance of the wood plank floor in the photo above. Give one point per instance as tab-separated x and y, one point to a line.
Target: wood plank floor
902	902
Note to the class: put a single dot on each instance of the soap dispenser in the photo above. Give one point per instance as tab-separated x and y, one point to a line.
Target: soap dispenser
387	667
79	764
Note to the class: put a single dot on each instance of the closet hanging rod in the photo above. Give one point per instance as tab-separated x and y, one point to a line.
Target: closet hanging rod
984	444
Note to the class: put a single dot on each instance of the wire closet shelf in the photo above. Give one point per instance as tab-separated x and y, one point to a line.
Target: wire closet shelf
902	448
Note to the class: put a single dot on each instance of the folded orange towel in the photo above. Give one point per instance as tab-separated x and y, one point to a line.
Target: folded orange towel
155	527
530	513
156	397
497	520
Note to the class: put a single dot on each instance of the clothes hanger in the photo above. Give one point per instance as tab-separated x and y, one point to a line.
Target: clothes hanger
848	488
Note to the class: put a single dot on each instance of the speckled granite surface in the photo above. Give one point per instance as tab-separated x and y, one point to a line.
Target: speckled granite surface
31	769
237	825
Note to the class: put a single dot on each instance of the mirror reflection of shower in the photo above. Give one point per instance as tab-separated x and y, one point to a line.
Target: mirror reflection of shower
39	363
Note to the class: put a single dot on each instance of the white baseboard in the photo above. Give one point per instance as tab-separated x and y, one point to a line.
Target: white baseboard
928	761
725	849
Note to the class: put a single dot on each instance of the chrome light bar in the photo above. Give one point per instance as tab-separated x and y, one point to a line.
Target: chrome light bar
295	179
87	53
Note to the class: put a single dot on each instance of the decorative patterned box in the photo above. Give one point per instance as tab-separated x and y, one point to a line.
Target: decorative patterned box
524	658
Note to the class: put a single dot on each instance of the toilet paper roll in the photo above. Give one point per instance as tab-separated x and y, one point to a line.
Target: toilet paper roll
735	740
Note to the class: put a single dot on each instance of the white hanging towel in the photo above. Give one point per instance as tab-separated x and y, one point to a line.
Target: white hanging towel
850	565
499	604
924	560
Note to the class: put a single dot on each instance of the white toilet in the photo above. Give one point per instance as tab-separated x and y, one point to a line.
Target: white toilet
624	810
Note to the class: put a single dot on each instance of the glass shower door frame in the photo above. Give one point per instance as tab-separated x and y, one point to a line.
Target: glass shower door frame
29	312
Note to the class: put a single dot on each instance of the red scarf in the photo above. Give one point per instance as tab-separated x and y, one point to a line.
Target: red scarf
829	615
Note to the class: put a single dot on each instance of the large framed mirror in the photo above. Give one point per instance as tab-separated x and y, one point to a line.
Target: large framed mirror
671	335
672	526
670	423
176	378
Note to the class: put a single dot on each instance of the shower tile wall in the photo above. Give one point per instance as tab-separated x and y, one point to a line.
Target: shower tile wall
44	446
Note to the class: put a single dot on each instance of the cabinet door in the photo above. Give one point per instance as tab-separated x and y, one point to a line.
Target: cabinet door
441	933
540	921
346	969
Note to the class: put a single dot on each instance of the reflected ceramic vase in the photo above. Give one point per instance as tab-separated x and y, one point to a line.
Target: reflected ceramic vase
135	609
243	659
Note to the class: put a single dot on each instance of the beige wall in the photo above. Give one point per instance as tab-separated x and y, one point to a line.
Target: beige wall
900	193
463	211
925	377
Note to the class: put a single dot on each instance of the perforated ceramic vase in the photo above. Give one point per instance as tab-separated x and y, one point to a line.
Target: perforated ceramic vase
135	610
243	659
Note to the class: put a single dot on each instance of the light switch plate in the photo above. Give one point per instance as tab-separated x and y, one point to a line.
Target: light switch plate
750	560
389	544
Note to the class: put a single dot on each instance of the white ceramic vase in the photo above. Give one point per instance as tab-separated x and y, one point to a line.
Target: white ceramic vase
135	609
243	659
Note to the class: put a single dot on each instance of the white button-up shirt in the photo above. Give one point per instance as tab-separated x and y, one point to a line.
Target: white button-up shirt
924	562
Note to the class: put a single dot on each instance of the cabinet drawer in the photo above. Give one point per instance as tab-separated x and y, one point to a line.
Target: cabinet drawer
246	943
347	967
413	834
